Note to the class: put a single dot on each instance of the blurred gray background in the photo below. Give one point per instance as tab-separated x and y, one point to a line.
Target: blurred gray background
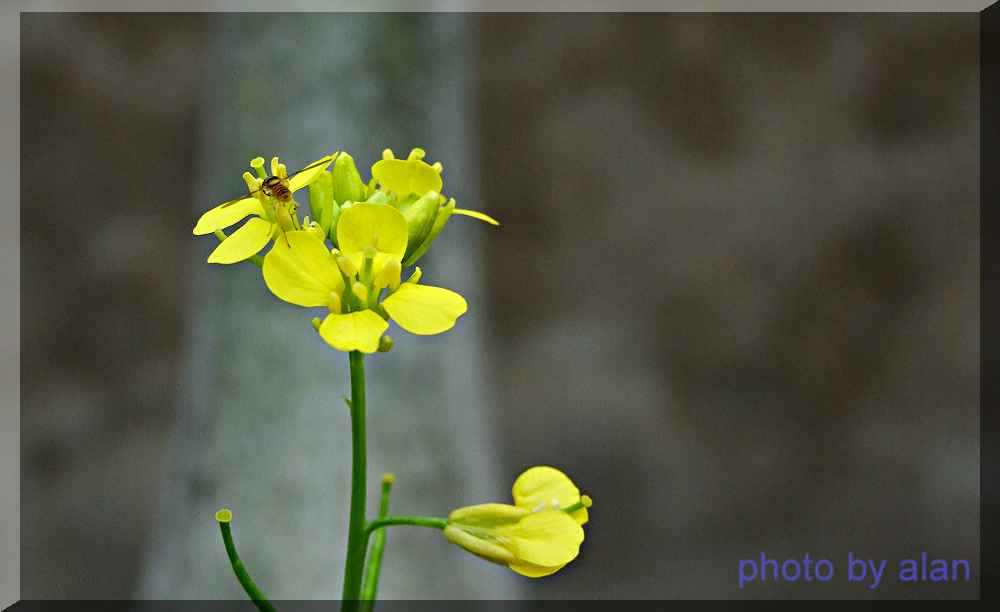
735	293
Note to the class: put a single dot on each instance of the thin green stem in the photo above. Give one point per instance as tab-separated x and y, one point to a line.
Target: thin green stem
356	540
253	591
378	549
419	521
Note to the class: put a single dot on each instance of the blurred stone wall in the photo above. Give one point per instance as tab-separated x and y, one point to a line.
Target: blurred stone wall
108	120
736	290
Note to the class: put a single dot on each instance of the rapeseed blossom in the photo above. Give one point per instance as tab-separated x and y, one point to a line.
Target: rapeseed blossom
360	283
535	537
270	217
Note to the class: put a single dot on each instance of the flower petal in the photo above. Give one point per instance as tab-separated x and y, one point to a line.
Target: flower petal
379	226
223	216
534	571
243	243
356	331
424	310
299	270
547	538
303	178
406	176
546	487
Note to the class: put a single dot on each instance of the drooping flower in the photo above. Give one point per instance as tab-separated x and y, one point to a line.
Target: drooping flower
271	214
360	284
535	537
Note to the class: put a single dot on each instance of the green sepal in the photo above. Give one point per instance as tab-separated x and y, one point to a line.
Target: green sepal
347	184
443	214
420	213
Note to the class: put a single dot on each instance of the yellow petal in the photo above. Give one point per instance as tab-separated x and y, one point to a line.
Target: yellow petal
356	331
546	487
377	226
302	179
243	243
475	214
223	216
546	538
425	310
406	176
299	270
533	571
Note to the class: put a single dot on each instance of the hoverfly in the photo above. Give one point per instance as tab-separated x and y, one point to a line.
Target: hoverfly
279	188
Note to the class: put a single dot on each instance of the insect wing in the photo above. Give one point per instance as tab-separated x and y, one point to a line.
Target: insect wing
329	159
320	162
229	203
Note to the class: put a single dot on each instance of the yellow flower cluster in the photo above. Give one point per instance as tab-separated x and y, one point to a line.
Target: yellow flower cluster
375	231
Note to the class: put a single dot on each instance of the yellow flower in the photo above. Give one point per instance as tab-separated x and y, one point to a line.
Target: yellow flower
535	537
415	187
270	216
360	283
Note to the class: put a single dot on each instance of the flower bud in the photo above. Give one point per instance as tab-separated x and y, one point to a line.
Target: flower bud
443	214
347	184
385	345
322	205
420	214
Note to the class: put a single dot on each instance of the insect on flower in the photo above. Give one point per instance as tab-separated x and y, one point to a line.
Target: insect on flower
277	187
270	204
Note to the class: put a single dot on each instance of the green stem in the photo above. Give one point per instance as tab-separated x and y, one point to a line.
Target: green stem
356	540
419	521
378	548
224	517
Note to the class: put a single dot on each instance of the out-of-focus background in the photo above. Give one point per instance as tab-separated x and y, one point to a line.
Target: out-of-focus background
734	295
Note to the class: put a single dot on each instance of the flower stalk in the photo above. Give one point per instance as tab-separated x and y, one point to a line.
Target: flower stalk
354	566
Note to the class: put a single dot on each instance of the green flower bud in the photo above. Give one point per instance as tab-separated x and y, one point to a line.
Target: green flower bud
347	185
420	214
321	202
443	214
384	346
